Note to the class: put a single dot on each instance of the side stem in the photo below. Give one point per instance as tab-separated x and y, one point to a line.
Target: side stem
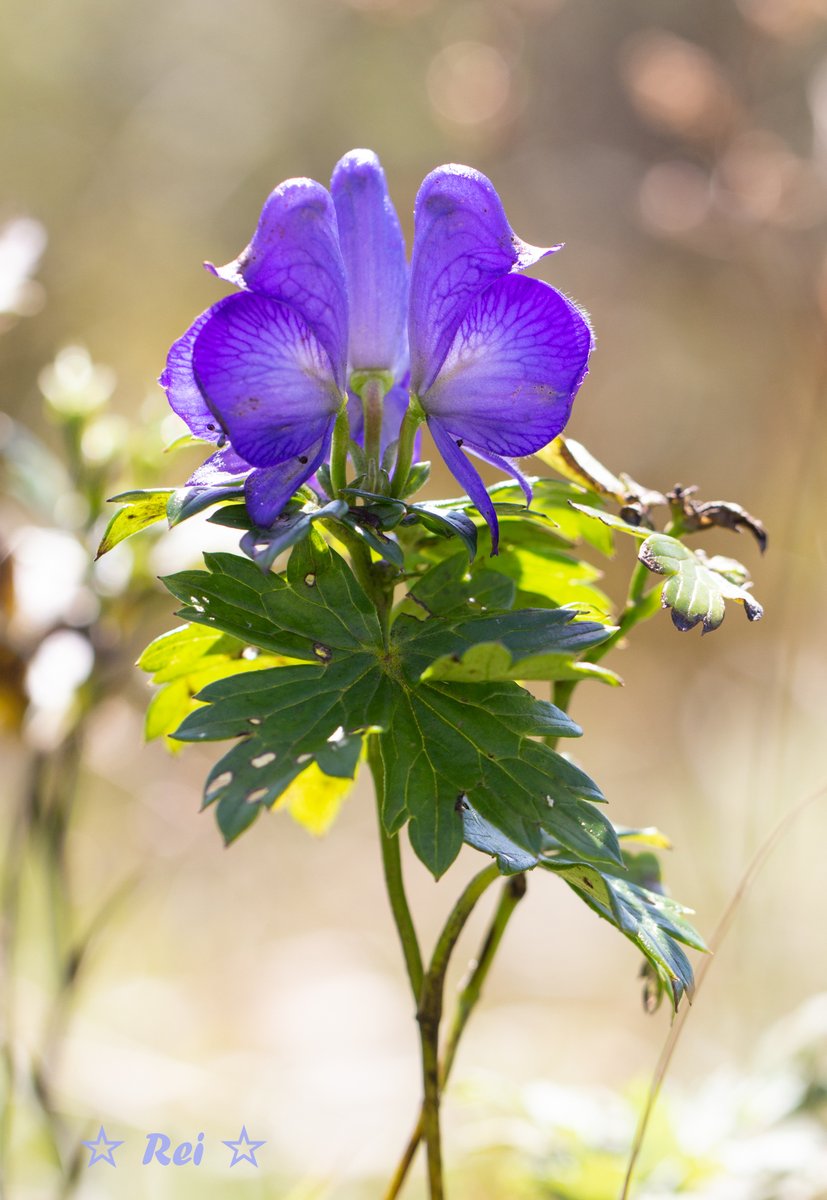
394	883
338	452
407	439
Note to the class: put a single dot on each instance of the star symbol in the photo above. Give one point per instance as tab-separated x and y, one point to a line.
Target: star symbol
244	1148
102	1149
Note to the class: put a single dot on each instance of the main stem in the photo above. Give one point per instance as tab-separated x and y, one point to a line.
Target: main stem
512	893
429	1016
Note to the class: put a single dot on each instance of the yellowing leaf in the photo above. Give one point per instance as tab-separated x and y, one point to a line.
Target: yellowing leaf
313	799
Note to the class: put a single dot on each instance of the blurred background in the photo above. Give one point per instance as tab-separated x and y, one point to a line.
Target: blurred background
154	980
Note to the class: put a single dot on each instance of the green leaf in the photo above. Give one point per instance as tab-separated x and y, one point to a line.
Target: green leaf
368	528
142	508
417	478
185	660
384	510
654	923
440	741
694	590
451	588
184	442
611	520
491	660
313	799
446	522
546	574
186	502
453	742
626	895
288	717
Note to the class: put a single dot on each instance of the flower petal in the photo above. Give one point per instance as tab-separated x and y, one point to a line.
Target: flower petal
373	249
504	464
512	372
268	489
294	257
222	466
266	378
179	383
467	477
462	243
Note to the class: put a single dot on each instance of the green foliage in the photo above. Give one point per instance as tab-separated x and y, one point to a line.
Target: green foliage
628	894
141	509
440	741
297	668
185	660
697	587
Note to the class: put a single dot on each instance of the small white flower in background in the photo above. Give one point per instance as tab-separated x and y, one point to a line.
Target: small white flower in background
22	242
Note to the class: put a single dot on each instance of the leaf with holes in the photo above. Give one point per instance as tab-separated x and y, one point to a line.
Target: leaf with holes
292	716
694	590
185	660
440	740
451	742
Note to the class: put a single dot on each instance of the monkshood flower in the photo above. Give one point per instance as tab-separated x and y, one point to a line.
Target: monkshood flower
323	328
496	358
322	301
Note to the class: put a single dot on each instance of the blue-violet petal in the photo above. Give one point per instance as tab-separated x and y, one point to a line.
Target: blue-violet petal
294	257
373	249
462	243
266	377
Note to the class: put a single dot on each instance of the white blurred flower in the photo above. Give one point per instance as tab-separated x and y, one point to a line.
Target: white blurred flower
22	242
74	385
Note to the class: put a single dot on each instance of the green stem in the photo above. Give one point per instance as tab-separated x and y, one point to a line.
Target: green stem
512	893
404	455
392	865
373	393
338	452
429	1016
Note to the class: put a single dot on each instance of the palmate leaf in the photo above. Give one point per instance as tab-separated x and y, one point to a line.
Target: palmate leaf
185	660
539	562
628	895
440	741
452	588
697	588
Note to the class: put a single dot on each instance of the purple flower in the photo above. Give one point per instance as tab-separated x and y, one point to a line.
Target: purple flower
496	358
265	368
373	250
323	293
322	324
